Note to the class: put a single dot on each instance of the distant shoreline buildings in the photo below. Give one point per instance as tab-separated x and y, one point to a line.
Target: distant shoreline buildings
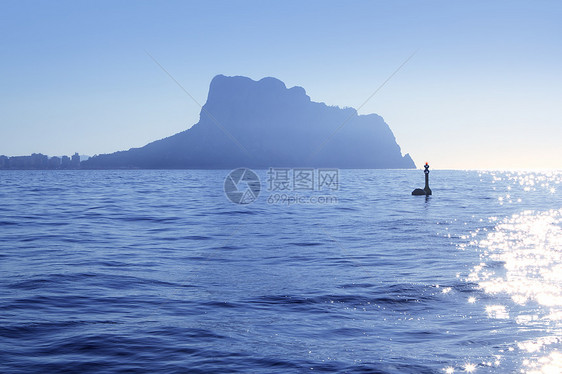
39	161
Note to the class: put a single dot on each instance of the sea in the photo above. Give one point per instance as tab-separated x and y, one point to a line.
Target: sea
158	271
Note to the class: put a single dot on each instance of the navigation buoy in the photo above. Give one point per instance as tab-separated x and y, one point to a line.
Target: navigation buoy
426	190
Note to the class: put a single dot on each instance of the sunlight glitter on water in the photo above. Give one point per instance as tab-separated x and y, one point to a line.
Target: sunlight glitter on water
529	246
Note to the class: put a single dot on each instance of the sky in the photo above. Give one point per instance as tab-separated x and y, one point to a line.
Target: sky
483	89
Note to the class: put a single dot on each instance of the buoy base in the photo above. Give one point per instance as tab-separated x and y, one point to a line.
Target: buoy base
421	192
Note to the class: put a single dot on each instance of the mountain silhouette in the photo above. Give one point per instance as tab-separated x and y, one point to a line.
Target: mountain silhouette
261	124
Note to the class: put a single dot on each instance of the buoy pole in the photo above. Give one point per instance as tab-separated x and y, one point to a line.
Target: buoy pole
426	172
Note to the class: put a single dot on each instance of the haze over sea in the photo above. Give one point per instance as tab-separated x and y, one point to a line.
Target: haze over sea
157	271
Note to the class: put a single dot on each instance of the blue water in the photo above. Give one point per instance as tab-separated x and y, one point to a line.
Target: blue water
156	271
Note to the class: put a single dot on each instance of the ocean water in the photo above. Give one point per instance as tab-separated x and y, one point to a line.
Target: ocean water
157	271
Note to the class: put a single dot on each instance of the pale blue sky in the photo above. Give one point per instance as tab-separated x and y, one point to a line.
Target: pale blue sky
484	89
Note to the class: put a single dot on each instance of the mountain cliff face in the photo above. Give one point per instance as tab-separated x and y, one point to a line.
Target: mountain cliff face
264	124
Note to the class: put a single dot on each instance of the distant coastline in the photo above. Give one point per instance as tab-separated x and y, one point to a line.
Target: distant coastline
39	161
257	124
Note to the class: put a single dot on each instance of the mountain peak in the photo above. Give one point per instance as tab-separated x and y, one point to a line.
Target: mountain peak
239	80
239	85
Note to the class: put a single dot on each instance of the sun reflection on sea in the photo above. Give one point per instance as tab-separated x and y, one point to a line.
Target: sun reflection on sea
529	246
